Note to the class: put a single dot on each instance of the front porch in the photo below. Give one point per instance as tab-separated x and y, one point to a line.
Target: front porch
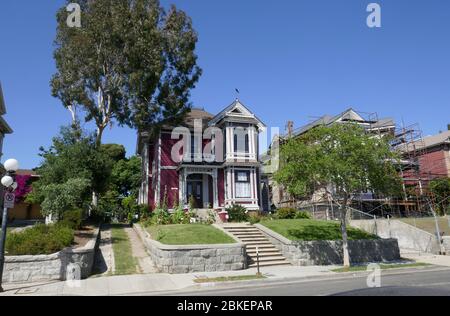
201	184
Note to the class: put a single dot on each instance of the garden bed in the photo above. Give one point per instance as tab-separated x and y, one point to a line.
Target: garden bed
309	230
307	252
194	234
194	257
75	261
83	236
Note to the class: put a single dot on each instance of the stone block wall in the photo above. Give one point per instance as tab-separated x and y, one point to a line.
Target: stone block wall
307	253
194	258
21	269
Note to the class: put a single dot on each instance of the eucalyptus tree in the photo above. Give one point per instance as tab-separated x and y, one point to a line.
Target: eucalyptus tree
131	62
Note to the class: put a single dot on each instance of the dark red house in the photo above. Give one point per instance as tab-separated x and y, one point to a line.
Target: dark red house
213	159
432	160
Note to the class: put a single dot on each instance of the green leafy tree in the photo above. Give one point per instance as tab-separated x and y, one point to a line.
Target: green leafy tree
440	188
130	62
59	198
120	199
343	160
73	159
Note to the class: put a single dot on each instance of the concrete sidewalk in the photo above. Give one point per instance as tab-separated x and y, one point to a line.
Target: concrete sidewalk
437	260
154	283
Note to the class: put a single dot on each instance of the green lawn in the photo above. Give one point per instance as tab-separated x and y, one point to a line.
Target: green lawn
124	261
428	224
194	234
383	267
308	230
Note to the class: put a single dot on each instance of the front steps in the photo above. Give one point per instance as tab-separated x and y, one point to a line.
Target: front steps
253	238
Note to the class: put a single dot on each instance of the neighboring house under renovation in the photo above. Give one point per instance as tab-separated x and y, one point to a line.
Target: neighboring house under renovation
211	161
431	157
370	122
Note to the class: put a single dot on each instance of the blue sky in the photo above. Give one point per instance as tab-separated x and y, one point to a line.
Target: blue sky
291	60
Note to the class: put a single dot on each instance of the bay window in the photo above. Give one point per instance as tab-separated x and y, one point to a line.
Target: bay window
243	186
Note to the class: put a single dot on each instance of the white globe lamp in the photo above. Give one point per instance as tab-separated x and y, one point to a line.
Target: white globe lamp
11	165
7	181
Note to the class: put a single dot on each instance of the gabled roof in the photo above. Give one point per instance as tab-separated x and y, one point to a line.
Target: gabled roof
197	114
238	111
428	142
349	115
2	102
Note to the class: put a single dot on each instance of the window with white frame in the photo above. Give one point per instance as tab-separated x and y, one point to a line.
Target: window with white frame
243	186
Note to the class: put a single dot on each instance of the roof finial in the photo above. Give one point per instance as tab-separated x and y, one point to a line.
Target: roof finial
237	94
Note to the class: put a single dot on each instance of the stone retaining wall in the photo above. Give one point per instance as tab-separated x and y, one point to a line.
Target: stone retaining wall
20	269
194	258
446	244
307	253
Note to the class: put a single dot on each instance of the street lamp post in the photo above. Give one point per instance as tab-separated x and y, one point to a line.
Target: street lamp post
8	181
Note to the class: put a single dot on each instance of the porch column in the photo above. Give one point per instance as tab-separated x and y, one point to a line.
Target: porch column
215	177
181	188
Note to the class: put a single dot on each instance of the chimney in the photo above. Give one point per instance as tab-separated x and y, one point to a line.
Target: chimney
290	128
448	127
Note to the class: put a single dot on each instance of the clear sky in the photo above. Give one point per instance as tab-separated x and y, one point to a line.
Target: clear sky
291	60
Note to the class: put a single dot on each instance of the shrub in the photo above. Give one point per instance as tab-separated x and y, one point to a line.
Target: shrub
255	218
39	240
181	217
286	213
237	214
303	215
160	217
72	219
192	203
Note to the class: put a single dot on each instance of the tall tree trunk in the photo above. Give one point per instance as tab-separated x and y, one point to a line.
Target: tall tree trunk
344	233
98	140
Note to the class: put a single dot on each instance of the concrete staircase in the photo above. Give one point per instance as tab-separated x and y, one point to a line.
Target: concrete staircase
253	238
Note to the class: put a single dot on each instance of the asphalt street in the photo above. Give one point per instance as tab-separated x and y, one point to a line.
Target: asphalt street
412	282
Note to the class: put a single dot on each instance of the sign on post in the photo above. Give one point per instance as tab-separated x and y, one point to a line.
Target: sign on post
9	200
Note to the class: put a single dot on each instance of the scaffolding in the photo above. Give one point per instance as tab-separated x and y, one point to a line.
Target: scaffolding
408	141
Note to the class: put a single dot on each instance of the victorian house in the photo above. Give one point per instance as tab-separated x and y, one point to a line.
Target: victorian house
210	160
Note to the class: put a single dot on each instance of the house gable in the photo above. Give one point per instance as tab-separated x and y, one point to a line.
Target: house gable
237	110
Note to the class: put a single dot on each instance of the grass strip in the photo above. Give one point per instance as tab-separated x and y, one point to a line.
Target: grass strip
383	267
230	278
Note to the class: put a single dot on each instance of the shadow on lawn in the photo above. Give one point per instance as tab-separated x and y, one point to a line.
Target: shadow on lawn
329	232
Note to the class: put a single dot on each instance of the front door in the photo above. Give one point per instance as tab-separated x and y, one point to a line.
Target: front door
195	189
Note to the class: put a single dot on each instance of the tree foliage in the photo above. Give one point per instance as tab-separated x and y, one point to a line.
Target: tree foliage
341	159
130	62
72	168
440	188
